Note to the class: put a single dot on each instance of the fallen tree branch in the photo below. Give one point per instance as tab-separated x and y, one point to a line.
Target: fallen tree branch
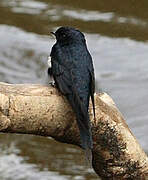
42	110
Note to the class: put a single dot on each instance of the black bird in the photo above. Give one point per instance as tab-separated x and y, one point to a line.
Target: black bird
73	73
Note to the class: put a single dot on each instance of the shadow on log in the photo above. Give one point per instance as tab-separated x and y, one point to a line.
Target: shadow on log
42	110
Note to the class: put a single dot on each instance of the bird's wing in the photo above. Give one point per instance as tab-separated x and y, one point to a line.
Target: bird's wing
64	81
62	78
60	73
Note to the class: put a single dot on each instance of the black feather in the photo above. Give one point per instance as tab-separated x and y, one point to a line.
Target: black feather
73	72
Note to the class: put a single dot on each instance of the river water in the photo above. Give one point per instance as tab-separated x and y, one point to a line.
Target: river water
116	33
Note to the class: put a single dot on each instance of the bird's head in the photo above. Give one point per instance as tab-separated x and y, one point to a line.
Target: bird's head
66	35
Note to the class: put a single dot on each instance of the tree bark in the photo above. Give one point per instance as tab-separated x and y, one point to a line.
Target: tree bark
42	110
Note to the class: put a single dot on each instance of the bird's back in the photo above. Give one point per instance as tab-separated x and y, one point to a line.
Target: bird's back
77	59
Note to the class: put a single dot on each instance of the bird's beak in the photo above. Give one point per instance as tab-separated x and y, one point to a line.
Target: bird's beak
53	33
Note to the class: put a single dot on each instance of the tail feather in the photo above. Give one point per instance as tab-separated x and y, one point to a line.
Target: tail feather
85	135
83	121
86	143
82	116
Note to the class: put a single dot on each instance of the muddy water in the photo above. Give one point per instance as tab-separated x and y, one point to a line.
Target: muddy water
116	33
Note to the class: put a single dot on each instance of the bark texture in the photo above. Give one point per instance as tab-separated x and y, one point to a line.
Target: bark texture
42	110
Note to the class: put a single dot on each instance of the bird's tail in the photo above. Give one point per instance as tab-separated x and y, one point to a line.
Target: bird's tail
83	122
86	141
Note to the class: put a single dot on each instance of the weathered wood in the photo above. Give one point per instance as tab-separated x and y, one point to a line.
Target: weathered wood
42	110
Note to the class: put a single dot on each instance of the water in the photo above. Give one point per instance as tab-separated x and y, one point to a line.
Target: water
116	33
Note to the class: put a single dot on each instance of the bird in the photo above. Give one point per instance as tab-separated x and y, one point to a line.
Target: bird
71	67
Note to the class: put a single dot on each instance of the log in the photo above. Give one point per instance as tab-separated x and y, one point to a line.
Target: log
42	110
